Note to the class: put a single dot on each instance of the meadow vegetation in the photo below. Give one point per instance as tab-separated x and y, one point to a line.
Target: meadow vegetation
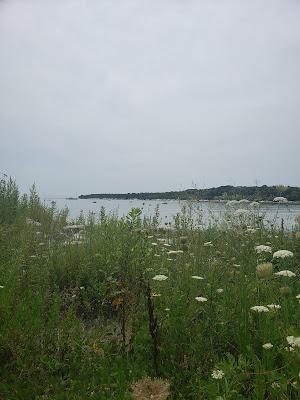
105	307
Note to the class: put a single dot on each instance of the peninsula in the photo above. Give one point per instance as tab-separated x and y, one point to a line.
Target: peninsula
258	193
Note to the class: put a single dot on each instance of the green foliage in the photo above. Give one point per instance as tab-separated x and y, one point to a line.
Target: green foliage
74	312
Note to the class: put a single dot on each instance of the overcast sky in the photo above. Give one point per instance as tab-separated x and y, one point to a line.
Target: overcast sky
149	95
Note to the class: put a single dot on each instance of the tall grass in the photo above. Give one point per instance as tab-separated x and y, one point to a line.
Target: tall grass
81	316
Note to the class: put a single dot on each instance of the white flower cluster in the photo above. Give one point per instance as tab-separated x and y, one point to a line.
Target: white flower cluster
274	306
280	200
174	252
267	346
201	299
282	254
263	249
160	278
241	212
217	374
259	309
293	341
285	272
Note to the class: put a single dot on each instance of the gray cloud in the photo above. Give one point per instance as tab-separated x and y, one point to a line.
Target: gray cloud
143	95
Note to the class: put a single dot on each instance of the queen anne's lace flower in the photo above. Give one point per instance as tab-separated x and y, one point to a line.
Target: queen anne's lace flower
263	249
282	254
201	299
174	252
280	200
274	306
285	272
240	212
160	278
293	341
217	374
259	309
197	277
267	346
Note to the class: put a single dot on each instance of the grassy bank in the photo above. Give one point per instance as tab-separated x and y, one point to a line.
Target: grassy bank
87	311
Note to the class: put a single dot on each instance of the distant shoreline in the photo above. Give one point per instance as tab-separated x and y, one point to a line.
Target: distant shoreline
221	193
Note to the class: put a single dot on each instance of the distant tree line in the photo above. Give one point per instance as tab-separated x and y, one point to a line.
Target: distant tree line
219	193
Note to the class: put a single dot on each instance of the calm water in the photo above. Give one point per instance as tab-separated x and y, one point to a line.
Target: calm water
272	213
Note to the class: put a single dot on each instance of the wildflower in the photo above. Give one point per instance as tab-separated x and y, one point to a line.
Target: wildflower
155	295
264	270
201	299
293	341
283	254
160	278
263	249
275	385
259	309
167	309
217	374
298	296
207	244
285	272
197	277
2	287
174	252
154	244
220	290
267	346
280	200
81	287
167	245
147	388
274	306
297	235
241	212
289	348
